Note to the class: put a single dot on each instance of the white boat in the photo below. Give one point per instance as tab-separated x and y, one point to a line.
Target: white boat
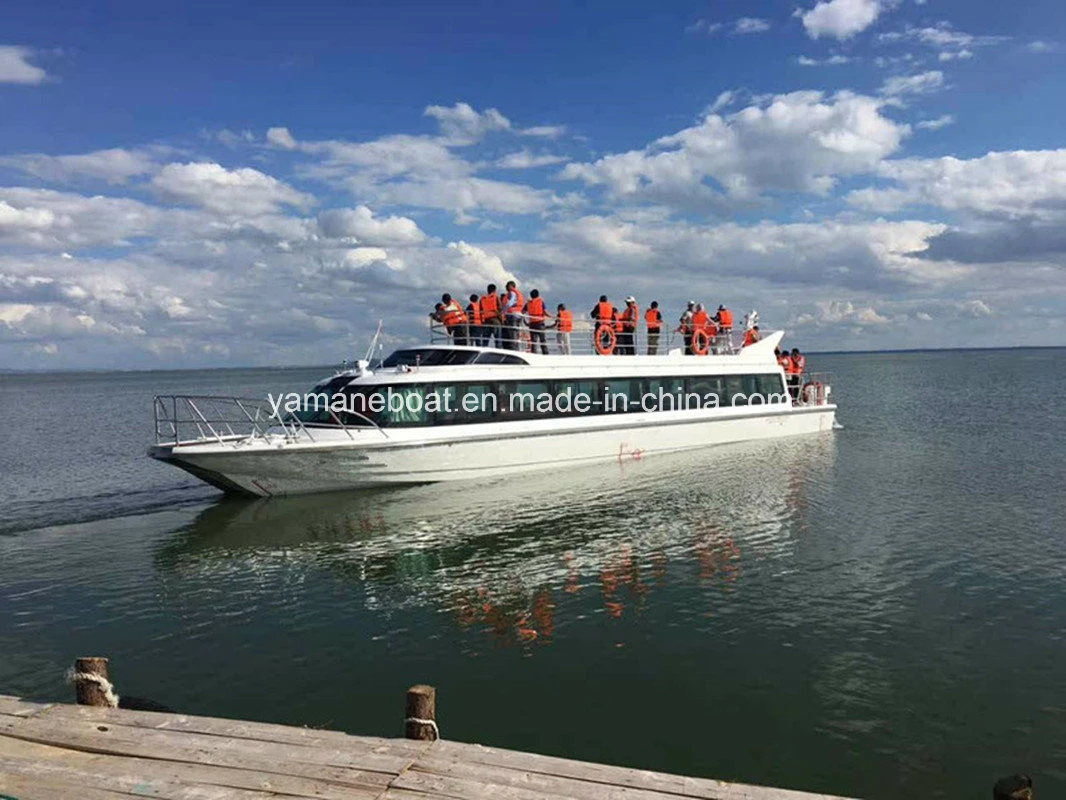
444	412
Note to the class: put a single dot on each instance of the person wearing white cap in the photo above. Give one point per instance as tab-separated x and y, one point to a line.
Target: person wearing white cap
629	318
686	327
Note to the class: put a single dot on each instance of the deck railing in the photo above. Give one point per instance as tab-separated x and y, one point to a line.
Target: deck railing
523	339
197	419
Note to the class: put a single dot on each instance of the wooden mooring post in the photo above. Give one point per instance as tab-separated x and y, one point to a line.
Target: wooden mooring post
420	721
89	691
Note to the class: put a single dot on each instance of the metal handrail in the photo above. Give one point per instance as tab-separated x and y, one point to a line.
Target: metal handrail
581	342
173	413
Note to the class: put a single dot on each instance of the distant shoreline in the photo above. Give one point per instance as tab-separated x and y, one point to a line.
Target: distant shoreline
96	370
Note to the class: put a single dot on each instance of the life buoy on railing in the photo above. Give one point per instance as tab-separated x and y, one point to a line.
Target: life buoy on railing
605	340
701	342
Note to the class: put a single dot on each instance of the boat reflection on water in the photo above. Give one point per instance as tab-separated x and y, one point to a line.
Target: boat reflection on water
510	556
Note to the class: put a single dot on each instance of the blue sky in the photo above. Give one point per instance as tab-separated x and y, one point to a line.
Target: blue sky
259	183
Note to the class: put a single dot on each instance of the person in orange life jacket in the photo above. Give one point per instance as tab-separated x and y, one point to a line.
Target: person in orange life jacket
563	324
602	315
796	365
700	321
724	320
513	306
537	314
473	316
653	319
751	336
686	326
628	323
491	320
451	314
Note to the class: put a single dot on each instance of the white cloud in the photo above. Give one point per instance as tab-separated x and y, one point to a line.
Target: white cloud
50	220
361	224
462	125
704	26
936	124
466	196
952	44
837	312
840	19
524	159
544	131
922	83
239	191
280	137
1019	184
832	61
795	142
1040	46
751	25
114	166
15	66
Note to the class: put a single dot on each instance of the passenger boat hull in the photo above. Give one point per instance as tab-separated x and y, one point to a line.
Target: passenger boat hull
338	460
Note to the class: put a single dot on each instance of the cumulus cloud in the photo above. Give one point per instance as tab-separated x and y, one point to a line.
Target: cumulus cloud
462	125
15	66
1020	184
798	142
280	137
840	19
361	224
238	191
837	312
115	166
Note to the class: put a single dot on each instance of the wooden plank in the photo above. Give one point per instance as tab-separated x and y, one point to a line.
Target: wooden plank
167	777
357	769
469	789
14	707
706	788
37	789
236	729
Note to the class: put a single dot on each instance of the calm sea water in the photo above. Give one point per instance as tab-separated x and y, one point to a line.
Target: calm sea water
877	612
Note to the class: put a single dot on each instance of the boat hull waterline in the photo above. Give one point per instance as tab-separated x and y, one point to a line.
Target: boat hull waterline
340	460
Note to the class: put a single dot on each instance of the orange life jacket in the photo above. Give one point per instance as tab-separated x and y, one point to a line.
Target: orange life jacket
785	362
653	319
617	320
566	321
474	313
700	320
516	309
604	311
751	337
490	307
535	310
452	314
798	364
629	317
725	318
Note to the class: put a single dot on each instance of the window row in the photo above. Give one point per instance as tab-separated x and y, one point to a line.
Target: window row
457	403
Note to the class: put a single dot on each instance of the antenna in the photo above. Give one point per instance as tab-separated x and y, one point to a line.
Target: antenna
374	341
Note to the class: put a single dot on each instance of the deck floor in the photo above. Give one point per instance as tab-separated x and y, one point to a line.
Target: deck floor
62	752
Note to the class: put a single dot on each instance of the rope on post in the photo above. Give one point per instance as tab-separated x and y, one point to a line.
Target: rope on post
90	679
429	722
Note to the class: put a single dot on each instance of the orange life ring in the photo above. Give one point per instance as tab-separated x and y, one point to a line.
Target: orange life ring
699	336
612	339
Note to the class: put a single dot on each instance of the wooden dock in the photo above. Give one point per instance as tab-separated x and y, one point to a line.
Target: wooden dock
68	752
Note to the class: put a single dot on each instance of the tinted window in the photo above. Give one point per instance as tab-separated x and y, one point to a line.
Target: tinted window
499	358
429	358
621	396
733	391
526	400
477	402
708	391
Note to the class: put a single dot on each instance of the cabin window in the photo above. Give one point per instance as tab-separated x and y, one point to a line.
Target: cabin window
499	358
405	405
703	392
733	392
577	398
477	402
442	401
526	400
771	388
621	396
664	394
